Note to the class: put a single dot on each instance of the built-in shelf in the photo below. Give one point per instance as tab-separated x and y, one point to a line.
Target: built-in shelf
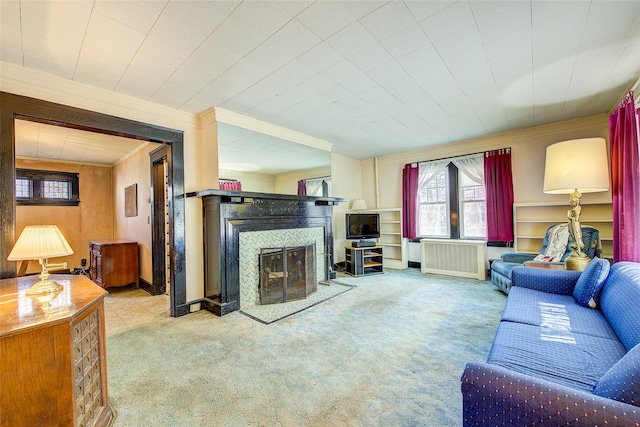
395	246
531	221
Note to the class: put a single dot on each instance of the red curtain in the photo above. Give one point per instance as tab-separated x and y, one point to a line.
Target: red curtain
302	188
625	181
410	200
230	185
499	195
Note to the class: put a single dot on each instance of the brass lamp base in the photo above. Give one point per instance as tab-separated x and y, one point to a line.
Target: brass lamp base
44	287
576	262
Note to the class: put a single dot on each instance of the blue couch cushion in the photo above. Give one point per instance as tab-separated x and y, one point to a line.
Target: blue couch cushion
563	357
590	282
622	381
620	302
555	311
503	267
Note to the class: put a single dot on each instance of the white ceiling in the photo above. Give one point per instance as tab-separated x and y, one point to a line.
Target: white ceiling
49	142
245	150
372	77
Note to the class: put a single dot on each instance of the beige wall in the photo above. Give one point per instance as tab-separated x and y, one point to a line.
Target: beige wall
135	169
287	183
91	219
346	180
251	181
528	156
527	150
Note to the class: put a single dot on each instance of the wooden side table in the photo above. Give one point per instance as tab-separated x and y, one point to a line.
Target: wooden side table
113	262
53	361
547	265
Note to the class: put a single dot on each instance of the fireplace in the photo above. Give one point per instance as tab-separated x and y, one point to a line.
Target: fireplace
287	274
232	216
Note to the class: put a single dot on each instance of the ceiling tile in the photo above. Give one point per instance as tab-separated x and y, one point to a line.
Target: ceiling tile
496	19
205	65
389	19
351	39
325	18
342	71
360	9
405	41
294	7
10	35
448	21
321	57
135	14
371	57
466	39
194	21
424	9
53	34
107	50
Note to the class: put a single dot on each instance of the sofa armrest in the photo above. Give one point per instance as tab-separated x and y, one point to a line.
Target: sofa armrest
541	279
493	395
518	258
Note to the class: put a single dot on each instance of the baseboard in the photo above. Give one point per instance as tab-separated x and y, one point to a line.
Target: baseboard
146	286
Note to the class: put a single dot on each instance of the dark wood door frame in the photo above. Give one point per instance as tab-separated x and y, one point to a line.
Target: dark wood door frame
158	257
22	107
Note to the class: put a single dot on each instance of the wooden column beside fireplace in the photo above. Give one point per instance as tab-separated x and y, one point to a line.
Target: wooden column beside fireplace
226	214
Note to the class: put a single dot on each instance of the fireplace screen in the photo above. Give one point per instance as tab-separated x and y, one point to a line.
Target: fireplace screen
287	274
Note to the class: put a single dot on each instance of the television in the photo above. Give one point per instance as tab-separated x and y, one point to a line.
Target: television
362	226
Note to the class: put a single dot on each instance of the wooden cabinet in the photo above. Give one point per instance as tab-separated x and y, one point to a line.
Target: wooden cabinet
395	246
531	221
53	360
113	262
363	261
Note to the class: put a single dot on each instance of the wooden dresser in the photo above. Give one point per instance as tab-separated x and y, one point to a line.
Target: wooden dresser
113	262
53	362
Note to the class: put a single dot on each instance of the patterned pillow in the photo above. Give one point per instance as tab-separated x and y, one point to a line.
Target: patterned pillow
590	282
622	381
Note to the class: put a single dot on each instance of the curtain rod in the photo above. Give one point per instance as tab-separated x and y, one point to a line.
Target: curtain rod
464	155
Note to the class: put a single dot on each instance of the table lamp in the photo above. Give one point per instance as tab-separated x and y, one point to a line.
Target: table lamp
574	167
359	205
41	242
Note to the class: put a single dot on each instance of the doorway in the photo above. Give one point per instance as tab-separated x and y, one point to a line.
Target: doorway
16	107
161	220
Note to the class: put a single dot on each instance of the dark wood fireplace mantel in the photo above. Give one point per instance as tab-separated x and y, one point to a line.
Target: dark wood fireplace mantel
226	214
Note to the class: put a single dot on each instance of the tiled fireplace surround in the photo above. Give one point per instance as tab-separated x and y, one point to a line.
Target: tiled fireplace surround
227	215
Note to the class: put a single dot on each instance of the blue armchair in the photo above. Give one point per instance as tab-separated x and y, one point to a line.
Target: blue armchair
501	269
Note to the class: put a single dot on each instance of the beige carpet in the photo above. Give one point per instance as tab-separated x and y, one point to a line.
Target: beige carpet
390	352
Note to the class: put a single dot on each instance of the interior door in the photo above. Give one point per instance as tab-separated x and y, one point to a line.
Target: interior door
159	220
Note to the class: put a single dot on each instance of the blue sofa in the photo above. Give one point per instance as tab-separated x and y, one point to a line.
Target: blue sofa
555	361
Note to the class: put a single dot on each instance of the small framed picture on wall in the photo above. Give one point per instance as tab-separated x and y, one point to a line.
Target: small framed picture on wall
131	201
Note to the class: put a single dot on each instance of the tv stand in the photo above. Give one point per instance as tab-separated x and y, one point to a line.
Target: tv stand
363	261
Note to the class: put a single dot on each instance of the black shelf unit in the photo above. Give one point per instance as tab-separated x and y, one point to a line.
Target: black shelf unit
363	261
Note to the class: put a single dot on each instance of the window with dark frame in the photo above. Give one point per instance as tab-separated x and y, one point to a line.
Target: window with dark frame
40	187
447	208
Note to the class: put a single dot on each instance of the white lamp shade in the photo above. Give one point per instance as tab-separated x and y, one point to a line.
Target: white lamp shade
359	205
40	242
578	164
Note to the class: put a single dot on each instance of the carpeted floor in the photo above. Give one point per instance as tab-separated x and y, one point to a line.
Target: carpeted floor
389	352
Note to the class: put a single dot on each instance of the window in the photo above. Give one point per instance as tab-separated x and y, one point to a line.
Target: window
39	187
451	199
433	207
319	187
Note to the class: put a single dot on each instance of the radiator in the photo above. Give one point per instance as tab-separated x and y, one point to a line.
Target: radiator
462	258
